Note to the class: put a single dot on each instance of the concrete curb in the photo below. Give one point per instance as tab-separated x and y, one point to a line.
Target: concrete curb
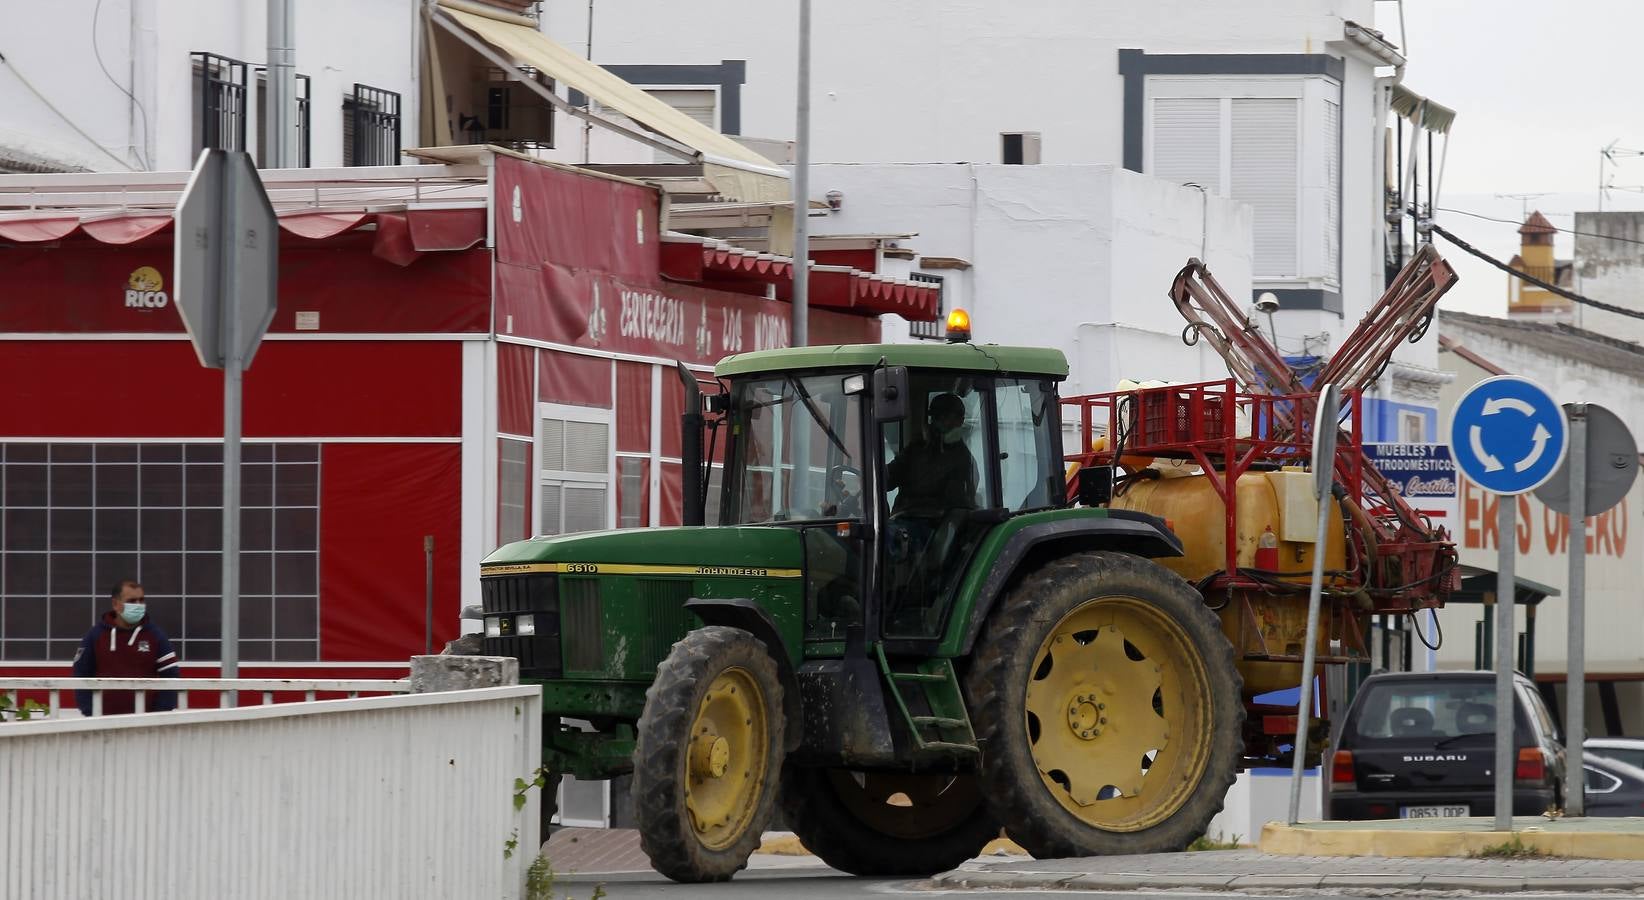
1303	840
1128	881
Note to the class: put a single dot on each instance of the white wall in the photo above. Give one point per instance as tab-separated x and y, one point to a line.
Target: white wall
948	75
1610	271
406	796
146	46
1069	256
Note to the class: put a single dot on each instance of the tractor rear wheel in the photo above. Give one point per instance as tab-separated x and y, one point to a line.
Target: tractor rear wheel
709	755
887	823
1108	709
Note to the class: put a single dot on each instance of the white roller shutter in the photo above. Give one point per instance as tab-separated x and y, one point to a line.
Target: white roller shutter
1332	190
700	105
1187	141
1264	174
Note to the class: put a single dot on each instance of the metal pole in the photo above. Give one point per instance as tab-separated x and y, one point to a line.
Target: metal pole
281	152
588	125
1575	678
1304	707
1324	455
1506	591
428	593
233	377
802	186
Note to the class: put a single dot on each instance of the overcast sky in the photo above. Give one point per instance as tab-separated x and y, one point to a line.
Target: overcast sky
1539	87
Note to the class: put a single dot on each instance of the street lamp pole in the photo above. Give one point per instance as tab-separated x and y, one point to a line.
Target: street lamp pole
802	185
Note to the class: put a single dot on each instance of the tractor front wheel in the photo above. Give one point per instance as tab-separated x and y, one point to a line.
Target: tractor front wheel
1108	708
887	823
709	755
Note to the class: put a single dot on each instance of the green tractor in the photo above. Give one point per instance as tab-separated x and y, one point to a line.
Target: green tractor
901	632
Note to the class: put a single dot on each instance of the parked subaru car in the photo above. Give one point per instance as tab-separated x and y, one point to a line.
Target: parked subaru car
1417	745
1614	788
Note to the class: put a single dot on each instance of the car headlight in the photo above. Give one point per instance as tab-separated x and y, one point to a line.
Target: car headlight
525	624
493	627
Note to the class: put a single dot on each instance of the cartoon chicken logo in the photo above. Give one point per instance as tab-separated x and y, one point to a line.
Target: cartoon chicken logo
145	289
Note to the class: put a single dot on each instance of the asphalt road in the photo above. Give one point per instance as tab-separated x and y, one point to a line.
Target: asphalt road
815	883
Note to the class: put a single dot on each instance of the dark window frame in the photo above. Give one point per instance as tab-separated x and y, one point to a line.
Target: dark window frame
371	127
305	131
931	331
220	96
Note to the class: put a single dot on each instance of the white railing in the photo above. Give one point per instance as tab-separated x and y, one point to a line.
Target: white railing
403	796
310	688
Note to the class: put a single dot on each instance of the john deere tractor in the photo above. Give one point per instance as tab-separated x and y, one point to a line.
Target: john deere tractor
901	632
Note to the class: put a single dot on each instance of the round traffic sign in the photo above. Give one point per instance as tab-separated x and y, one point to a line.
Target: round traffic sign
1508	435
1612	465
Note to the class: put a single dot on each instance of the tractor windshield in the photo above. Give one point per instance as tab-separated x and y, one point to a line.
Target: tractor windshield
798	450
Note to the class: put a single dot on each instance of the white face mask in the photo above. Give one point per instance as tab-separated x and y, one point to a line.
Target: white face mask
953	435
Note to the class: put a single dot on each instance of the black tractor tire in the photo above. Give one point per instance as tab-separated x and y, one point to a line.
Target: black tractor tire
692	758
1048	748
886	824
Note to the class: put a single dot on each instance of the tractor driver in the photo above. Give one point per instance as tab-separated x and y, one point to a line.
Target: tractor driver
936	473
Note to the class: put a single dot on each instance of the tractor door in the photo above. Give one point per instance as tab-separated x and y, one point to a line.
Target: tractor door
796	461
972	451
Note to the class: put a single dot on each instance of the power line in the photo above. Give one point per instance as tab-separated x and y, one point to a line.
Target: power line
61	115
1607	237
95	13
1570	295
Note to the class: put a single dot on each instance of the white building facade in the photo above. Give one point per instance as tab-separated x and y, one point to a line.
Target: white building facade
180	71
1282	107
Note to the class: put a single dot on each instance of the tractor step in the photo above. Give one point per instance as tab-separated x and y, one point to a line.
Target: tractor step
940	722
917	676
941	725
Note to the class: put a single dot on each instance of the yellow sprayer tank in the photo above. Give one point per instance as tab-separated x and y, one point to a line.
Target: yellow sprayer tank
1258	623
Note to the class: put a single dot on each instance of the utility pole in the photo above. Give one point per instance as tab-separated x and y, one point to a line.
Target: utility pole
802	186
281	152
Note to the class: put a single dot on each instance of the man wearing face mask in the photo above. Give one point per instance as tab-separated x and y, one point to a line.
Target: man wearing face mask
125	644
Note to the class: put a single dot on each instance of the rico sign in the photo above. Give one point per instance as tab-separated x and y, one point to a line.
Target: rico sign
145	289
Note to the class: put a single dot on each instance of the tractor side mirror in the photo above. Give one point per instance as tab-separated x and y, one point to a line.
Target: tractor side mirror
1095	485
890	393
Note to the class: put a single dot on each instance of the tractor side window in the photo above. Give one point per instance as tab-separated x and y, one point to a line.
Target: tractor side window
1029	467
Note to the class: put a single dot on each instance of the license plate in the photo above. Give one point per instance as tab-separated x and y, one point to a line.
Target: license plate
1434	812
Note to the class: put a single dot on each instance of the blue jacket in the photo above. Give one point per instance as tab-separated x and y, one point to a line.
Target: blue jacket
140	651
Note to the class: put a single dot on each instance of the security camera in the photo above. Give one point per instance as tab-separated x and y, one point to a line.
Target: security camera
1267	302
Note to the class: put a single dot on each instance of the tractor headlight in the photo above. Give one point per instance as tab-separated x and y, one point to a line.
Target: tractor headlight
855	384
493	627
525	625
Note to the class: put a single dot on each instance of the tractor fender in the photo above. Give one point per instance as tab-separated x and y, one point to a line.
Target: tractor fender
1125	530
752	618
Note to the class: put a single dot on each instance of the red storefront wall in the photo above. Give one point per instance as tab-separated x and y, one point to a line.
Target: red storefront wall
383	417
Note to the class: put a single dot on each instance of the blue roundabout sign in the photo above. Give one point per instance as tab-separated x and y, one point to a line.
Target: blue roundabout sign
1508	435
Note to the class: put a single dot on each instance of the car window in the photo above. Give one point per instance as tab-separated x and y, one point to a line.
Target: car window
1628	755
1600	782
1539	710
1425	709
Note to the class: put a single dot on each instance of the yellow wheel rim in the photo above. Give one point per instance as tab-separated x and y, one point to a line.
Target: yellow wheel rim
726	758
1118	714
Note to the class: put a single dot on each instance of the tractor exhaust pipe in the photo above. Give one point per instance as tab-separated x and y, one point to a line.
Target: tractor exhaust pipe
690	449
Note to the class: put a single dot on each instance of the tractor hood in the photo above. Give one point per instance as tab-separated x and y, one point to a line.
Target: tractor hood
752	550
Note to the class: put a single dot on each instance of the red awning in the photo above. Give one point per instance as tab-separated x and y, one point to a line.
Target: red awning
401	236
700	260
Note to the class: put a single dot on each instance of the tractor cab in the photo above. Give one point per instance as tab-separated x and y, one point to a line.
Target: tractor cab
893	462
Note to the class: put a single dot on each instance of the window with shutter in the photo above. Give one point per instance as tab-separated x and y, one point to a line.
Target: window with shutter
1187	141
1332	190
699	104
1273	142
1263	160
